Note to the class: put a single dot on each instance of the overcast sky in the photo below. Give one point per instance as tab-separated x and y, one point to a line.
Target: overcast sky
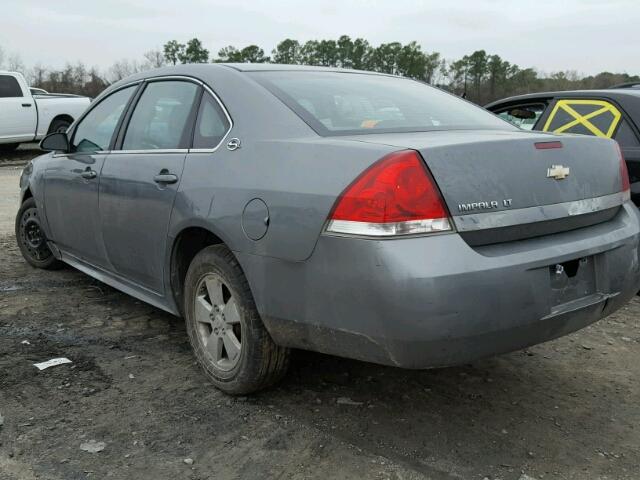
584	35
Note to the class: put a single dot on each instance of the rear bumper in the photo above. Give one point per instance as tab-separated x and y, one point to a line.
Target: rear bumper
434	301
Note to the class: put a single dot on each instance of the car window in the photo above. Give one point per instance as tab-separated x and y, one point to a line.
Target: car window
625	136
9	87
334	103
212	124
161	117
95	130
583	116
523	116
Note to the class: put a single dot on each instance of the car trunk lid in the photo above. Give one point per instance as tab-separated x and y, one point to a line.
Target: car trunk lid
492	180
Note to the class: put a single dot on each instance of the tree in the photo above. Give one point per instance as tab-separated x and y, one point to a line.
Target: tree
361	53
432	66
95	84
458	74
253	54
411	61
37	76
327	53
121	69
477	71
497	70
194	52
229	54
173	51
385	58
154	59
249	54
287	52
14	63
309	53
344	53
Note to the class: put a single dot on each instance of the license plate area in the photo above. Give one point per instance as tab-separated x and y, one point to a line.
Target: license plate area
572	280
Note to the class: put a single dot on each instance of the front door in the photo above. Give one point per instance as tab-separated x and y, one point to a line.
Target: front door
19	115
72	181
139	182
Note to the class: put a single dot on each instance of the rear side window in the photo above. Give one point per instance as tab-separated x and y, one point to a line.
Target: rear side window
161	119
583	116
523	116
212	124
337	103
9	87
95	130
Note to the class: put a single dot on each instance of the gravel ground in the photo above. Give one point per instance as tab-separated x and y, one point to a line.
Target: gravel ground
568	409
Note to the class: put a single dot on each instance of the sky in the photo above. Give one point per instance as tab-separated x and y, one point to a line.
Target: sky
588	36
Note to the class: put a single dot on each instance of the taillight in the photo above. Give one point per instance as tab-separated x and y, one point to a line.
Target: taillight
395	196
624	174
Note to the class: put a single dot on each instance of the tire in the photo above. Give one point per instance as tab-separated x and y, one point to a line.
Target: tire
59	125
219	309
31	239
8	147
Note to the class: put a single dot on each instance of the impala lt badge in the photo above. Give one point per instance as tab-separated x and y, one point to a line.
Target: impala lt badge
486	205
557	172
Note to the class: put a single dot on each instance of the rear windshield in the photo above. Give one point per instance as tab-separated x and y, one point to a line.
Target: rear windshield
340	103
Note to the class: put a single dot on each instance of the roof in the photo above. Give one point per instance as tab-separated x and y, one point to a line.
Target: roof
263	67
609	92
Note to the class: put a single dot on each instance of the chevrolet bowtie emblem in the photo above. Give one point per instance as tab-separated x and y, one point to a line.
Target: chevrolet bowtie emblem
558	172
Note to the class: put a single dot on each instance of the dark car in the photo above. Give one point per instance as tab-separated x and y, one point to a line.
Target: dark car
355	214
610	113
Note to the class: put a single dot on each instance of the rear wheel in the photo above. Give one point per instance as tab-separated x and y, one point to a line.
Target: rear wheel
59	125
224	327
31	238
8	147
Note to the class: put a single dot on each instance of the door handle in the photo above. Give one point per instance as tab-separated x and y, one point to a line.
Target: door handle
26	105
89	174
165	178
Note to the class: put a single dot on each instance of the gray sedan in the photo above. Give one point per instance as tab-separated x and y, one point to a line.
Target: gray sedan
356	214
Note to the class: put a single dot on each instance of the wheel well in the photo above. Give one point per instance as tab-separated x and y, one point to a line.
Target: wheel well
27	195
67	118
186	246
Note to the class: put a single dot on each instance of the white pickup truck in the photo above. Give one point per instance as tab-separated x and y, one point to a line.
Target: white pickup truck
25	117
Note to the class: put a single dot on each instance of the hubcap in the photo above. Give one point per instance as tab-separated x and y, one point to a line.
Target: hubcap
32	236
218	321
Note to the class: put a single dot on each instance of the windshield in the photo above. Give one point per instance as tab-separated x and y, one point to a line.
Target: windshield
341	103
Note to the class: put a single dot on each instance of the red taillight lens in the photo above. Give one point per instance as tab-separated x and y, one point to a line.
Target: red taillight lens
395	196
624	173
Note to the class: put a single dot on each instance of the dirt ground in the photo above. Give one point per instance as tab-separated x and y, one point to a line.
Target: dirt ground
569	409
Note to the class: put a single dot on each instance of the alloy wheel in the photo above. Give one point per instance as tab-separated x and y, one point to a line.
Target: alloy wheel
218	321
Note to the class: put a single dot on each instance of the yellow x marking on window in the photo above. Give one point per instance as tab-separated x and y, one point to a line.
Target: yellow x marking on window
584	120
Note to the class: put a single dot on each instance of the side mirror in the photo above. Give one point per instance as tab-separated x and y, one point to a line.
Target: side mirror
55	142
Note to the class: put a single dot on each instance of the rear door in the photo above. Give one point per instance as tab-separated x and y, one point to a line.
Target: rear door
19	115
140	180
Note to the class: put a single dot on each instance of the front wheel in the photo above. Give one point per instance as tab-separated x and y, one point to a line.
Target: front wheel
31	238
224	327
